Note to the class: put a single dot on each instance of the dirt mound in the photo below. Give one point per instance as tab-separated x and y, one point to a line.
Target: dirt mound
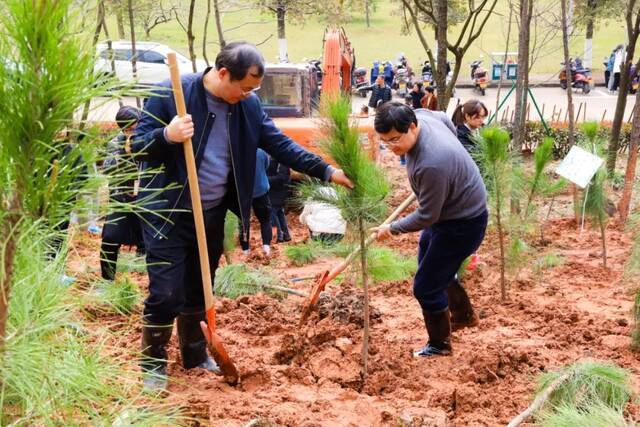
347	307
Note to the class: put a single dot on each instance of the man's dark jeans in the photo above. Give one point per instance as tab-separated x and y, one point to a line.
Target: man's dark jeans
442	249
173	264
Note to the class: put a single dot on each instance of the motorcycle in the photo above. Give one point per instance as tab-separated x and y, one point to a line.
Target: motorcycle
427	75
580	76
479	77
401	81
360	84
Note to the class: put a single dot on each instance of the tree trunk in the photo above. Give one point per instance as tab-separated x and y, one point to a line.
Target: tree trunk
191	37
367	7
282	39
632	161
119	19
204	33
365	285
441	39
100	23
504	61
570	112
522	81
588	39
133	48
216	14
8	238
603	238
567	67
632	31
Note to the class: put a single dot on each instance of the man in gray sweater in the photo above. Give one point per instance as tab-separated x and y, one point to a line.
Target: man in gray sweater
452	215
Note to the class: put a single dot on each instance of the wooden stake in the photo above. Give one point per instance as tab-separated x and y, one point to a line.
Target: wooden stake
539	401
553	114
584	112
542	112
579	110
603	116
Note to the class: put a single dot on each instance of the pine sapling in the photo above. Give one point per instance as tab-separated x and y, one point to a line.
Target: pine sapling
230	236
493	155
595	196
361	206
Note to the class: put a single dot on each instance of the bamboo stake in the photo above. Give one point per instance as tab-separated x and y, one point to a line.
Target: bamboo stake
539	401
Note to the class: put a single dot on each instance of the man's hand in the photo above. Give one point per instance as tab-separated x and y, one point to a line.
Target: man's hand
383	232
180	129
338	177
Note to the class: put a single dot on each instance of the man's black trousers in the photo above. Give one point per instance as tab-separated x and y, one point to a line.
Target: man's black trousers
173	264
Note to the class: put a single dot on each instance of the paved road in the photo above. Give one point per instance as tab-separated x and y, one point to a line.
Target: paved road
598	103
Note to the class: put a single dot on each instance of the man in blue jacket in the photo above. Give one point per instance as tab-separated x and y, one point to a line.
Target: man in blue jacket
227	125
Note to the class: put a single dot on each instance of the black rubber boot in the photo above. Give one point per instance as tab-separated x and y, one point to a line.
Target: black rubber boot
438	326
193	346
154	356
462	314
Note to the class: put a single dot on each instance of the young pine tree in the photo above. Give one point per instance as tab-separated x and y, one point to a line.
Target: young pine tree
595	195
495	160
362	206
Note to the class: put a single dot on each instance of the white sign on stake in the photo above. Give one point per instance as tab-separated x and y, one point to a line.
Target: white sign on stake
579	166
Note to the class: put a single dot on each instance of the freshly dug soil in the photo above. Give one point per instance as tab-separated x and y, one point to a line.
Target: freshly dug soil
311	376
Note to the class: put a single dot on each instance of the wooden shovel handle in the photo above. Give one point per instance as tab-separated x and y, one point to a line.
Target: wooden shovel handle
194	189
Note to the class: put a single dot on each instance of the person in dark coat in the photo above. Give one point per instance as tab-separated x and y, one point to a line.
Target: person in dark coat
121	227
261	206
279	181
227	124
469	118
416	95
388	73
380	93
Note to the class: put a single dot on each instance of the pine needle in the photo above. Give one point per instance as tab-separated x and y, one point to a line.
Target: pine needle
236	280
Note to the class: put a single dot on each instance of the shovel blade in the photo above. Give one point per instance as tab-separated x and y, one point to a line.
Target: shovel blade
313	298
216	348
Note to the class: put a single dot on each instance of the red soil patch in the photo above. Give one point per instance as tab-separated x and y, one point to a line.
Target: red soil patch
311	376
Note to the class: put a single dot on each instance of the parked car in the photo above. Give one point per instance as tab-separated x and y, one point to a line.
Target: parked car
151	64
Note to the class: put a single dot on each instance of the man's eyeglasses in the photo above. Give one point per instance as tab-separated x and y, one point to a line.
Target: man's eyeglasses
249	92
392	141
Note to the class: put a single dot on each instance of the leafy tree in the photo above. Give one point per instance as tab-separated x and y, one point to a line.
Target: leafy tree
440	15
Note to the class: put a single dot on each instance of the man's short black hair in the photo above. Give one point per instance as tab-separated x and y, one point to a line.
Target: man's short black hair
394	115
238	57
127	116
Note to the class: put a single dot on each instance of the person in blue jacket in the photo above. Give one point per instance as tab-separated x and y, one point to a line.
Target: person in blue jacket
226	124
261	206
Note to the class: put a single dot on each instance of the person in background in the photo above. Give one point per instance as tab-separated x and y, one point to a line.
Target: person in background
609	68
416	95
469	118
121	227
429	100
388	73
261	206
279	181
380	93
617	65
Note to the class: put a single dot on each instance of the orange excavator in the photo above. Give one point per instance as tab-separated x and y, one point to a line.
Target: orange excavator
291	93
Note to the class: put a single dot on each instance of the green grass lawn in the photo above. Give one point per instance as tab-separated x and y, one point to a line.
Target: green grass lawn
384	40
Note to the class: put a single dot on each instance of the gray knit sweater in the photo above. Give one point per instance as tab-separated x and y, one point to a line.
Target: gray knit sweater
444	178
